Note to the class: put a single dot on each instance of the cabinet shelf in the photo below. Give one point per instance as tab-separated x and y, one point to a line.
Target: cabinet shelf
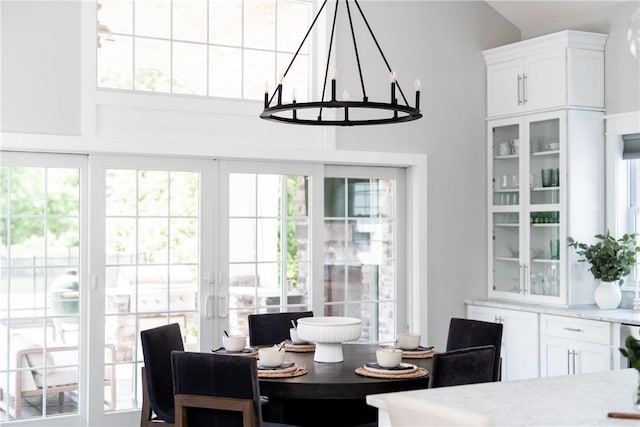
546	224
545	188
505	224
508	259
506	157
546	153
546	260
507	190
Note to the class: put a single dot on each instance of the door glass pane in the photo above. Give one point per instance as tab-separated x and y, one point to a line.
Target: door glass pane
545	162
39	291
545	253
506	166
152	266
269	264
506	252
360	265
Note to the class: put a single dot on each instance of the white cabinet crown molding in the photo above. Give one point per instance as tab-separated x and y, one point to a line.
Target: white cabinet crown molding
566	38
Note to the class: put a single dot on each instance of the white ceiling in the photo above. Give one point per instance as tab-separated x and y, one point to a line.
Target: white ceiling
533	14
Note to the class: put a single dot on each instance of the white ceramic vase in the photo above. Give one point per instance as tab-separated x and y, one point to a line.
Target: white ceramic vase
608	295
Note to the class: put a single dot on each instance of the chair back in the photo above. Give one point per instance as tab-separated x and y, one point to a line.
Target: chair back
206	376
272	328
157	345
465	333
407	411
465	366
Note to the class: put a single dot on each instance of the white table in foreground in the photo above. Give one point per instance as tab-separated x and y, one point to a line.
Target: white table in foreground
583	399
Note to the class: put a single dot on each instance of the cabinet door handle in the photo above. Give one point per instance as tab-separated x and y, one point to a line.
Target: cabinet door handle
574	354
519	90
568	362
572	329
524	88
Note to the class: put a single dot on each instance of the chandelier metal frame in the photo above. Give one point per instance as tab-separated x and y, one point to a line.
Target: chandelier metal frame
288	112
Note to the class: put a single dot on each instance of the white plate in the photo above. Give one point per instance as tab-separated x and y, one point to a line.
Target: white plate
285	367
409	366
417	351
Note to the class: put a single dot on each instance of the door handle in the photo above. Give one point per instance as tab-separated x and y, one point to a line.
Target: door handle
524	88
519	90
568	362
223	306
574	354
209	306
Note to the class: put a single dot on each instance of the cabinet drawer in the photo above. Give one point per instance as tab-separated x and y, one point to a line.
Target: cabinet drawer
575	329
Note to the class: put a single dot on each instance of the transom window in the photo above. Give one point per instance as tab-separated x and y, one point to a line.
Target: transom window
220	48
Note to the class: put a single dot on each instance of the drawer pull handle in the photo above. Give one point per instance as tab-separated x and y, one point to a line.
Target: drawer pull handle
572	329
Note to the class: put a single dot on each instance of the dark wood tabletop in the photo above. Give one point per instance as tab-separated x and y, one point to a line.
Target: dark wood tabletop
331	387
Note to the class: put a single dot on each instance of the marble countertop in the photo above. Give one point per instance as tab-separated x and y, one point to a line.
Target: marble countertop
591	312
583	399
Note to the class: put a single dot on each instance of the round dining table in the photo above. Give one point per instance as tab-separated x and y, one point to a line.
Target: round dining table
332	394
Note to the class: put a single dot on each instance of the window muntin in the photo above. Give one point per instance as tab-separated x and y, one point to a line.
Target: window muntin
219	48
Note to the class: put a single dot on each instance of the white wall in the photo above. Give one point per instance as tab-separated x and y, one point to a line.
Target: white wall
40	82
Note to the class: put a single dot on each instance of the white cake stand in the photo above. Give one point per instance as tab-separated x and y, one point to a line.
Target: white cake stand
328	333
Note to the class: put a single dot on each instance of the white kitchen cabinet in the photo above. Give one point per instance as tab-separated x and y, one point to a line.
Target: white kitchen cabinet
564	69
546	183
519	339
573	346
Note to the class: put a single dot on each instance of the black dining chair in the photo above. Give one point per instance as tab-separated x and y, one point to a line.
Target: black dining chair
272	328
214	390
469	365
465	333
157	385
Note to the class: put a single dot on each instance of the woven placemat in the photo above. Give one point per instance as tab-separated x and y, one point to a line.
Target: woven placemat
300	348
423	355
296	373
420	372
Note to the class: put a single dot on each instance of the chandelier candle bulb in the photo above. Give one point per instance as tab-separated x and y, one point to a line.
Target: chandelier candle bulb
279	93
418	88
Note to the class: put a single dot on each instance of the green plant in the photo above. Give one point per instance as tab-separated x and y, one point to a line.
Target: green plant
611	259
632	352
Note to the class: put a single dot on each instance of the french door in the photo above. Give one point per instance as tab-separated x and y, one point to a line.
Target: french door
42	261
96	249
265	241
151	261
296	237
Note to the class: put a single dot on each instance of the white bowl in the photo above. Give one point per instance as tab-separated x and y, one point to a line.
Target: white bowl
389	357
234	342
408	341
293	332
271	357
329	333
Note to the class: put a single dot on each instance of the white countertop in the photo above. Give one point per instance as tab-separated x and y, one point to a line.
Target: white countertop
591	312
583	399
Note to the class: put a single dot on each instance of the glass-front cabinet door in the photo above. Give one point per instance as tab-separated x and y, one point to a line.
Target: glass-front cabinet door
506	201
526	209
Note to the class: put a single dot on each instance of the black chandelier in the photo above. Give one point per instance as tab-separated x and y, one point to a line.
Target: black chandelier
288	112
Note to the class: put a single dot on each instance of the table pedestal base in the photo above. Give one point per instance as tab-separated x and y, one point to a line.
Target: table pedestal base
328	353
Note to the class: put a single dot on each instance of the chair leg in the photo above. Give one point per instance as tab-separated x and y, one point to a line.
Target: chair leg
145	415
